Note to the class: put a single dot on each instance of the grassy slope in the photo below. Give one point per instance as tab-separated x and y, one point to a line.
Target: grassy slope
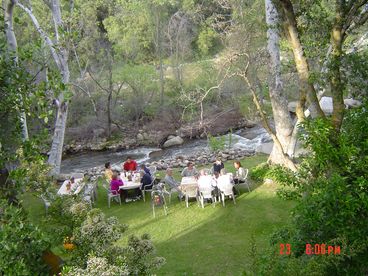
196	241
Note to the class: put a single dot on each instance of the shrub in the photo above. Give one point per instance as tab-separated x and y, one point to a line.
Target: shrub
331	188
259	172
22	243
140	256
95	266
216	143
96	249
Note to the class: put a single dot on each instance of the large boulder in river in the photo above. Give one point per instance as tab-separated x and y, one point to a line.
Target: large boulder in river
177	140
326	104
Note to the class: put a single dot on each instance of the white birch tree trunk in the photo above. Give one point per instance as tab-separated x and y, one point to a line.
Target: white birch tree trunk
60	56
281	115
8	7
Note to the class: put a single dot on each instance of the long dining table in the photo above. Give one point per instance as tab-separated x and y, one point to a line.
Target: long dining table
75	188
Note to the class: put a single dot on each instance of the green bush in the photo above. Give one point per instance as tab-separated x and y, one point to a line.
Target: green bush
216	143
96	249
259	172
331	188
22	243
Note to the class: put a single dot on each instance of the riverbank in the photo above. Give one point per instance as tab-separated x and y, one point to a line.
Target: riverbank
243	143
153	135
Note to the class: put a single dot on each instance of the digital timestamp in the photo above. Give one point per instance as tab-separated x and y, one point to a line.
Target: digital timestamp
312	249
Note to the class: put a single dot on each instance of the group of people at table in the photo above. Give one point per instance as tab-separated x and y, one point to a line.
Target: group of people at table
141	174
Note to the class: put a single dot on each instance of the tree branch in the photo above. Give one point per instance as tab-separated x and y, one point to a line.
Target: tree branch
98	83
45	37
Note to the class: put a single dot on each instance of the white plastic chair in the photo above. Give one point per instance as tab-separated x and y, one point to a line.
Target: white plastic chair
190	192
148	188
206	193
110	196
88	194
46	203
226	191
158	198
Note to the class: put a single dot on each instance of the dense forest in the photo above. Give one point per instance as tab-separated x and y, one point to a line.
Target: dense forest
133	72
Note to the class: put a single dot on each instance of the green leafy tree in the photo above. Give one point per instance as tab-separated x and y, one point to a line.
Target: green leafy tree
331	190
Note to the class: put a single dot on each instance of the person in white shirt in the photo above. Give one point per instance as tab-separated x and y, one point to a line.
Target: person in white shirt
240	174
205	181
224	180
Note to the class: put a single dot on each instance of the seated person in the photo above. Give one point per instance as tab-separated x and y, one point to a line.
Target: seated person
108	171
190	170
145	169
224	180
69	185
240	174
171	182
115	183
218	165
205	181
146	179
130	164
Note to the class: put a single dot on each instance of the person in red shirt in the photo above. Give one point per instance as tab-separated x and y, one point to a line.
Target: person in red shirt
130	165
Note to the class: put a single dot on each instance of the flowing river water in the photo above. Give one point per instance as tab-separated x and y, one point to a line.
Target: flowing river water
86	160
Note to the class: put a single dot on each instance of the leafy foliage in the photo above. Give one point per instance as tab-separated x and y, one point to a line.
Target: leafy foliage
216	143
332	191
259	172
94	237
22	243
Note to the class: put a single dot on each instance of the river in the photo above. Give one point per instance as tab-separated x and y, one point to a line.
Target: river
86	160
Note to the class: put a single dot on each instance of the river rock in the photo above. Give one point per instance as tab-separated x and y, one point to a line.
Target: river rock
225	156
173	142
349	103
265	148
140	137
171	137
326	105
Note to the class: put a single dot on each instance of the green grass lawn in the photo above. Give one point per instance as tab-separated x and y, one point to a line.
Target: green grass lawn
195	241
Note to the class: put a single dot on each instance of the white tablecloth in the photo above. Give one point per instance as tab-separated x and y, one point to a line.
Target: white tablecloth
128	185
188	180
76	187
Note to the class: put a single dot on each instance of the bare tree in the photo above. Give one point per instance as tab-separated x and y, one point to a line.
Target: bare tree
109	90
180	35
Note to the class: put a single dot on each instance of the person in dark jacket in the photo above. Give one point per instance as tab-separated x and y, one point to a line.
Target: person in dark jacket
145	169
217	166
146	179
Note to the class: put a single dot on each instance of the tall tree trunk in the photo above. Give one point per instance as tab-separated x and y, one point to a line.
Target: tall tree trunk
337	88
60	56
56	151
11	39
307	90
281	115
